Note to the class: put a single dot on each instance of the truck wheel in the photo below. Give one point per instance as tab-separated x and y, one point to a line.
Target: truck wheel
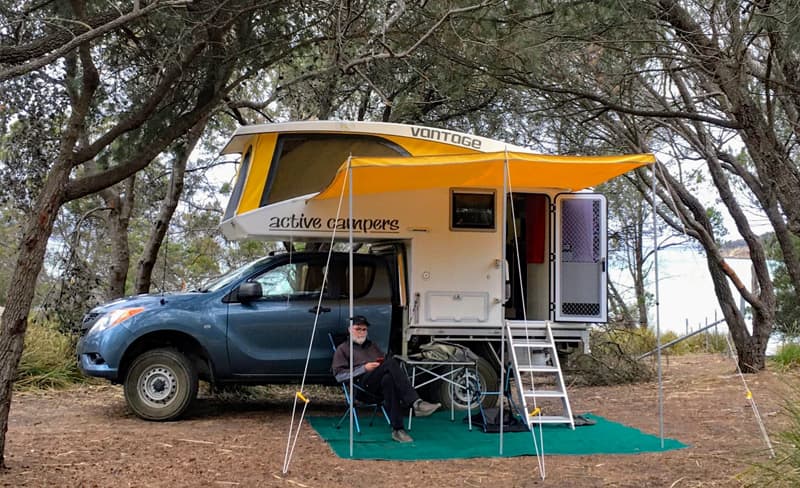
160	384
486	381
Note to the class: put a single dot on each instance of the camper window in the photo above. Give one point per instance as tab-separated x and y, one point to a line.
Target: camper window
472	210
238	188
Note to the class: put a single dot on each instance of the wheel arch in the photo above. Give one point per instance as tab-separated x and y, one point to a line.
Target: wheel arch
181	341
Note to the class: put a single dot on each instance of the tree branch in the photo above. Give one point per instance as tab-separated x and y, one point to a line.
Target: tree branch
35	64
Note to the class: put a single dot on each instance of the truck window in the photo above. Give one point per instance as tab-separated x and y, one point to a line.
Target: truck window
292	280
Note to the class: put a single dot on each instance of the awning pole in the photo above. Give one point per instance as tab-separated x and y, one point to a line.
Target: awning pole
352	309
657	317
503	271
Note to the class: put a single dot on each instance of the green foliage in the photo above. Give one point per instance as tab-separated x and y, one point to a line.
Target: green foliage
48	359
787	309
787	357
9	231
703	342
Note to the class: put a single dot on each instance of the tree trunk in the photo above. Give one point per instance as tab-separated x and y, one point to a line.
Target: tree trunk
121	205
619	307
639	285
144	275
23	282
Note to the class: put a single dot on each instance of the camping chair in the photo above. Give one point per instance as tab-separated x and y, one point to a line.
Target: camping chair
363	399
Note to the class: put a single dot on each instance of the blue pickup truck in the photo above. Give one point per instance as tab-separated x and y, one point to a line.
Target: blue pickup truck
250	326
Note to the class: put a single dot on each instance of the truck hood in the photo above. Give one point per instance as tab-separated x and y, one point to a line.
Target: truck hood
150	302
147	301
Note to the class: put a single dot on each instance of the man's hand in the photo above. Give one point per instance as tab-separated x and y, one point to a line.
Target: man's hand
370	366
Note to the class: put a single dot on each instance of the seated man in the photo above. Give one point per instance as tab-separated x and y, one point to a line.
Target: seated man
379	377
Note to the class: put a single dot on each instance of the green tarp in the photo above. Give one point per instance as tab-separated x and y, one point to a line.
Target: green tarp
436	437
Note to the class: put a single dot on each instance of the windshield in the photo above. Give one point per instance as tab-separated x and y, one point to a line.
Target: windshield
234	275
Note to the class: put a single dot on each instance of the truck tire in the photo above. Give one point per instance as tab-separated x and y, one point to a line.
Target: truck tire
487	379
160	384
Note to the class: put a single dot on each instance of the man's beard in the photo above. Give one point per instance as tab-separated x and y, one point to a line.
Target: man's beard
360	340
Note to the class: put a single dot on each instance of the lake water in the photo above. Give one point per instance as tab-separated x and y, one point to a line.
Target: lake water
686	292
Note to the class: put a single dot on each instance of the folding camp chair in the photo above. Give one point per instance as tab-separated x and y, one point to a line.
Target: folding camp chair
363	399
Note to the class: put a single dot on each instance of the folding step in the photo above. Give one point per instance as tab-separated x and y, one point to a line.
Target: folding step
535	354
522	368
544	394
533	344
550	419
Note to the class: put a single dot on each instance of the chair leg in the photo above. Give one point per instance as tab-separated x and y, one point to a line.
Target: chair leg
385	415
355	419
374	413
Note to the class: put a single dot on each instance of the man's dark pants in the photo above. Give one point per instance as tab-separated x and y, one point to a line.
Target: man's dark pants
390	381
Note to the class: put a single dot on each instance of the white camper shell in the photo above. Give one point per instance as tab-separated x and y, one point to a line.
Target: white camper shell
489	232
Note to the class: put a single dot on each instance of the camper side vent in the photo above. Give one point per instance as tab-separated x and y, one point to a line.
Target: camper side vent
580	309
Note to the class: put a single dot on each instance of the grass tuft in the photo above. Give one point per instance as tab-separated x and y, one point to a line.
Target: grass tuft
48	359
784	469
787	357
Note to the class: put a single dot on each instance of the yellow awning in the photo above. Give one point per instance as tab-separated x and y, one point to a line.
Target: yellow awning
482	170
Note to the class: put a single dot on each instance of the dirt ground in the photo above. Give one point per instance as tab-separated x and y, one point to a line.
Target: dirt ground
86	437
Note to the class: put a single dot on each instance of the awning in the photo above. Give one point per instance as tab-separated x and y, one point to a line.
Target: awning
482	170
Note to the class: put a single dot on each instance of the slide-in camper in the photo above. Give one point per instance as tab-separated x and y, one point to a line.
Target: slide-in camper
482	233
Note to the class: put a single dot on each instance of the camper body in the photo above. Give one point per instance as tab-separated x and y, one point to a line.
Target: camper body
453	237
471	255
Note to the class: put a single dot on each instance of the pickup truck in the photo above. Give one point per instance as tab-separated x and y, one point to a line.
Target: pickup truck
250	326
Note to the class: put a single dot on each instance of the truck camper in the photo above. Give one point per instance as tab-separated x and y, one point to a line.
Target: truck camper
450	237
480	233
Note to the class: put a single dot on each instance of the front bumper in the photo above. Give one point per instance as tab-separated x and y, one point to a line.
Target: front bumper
100	354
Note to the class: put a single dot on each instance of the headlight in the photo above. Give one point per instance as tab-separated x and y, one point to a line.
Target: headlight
114	318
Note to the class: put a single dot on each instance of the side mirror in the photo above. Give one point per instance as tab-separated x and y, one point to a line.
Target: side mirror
249	291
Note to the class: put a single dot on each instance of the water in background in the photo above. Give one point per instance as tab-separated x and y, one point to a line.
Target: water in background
686	292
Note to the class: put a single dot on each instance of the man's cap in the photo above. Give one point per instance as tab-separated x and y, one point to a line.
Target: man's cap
360	320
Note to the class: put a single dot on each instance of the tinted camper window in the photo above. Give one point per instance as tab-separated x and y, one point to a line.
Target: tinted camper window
307	163
236	194
472	210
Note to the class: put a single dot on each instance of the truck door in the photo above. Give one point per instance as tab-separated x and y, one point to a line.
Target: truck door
270	336
580	258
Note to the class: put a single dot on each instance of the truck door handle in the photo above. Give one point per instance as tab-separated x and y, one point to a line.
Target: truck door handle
321	309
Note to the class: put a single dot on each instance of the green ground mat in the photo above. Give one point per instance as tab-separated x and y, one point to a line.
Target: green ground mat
436	437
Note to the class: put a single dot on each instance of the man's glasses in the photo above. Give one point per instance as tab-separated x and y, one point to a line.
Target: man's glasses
359	329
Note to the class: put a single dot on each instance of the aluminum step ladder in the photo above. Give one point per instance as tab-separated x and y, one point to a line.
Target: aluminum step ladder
540	387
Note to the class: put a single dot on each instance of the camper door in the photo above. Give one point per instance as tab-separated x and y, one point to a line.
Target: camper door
580	258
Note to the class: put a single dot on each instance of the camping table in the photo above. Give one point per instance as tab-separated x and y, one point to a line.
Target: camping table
441	371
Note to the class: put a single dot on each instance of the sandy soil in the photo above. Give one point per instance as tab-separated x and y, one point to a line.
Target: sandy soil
86	437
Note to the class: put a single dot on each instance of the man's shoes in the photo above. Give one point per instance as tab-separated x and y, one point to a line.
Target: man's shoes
423	408
401	435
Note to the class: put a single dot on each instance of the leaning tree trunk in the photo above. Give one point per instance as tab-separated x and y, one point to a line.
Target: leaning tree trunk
144	275
750	348
30	259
